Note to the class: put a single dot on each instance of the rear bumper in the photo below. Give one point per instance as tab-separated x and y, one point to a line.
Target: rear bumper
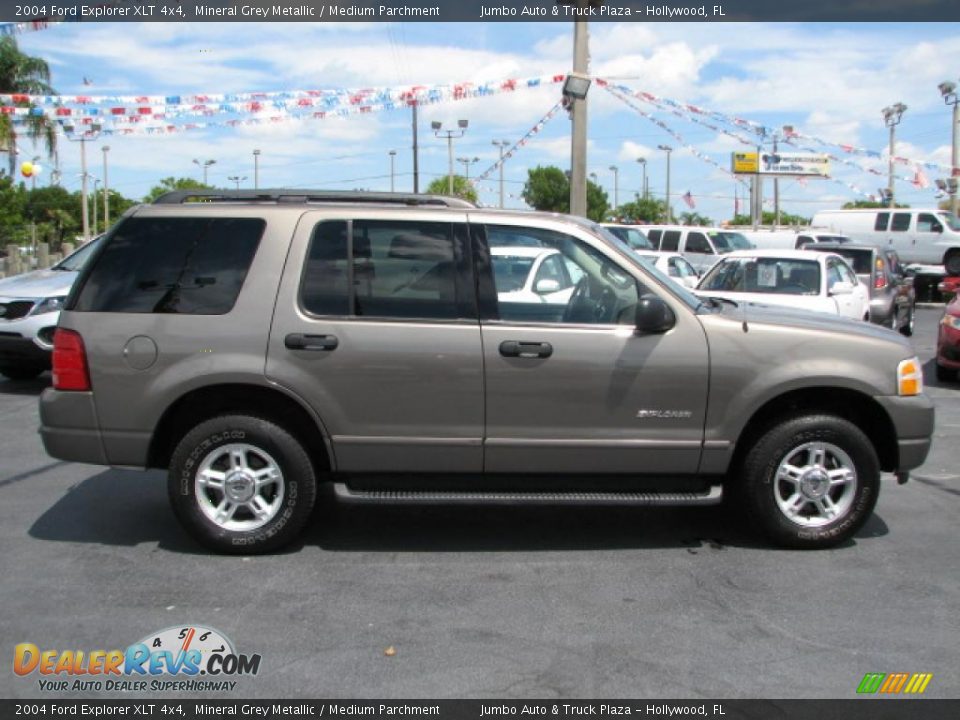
69	428
913	422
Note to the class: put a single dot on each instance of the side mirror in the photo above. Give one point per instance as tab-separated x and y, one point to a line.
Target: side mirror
841	287
546	285
653	316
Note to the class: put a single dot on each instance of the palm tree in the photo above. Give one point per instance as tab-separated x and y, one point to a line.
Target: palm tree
23	74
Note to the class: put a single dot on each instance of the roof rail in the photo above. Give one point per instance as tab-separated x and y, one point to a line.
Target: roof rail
296	195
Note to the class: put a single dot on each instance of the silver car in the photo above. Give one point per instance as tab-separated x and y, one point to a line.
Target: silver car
29	310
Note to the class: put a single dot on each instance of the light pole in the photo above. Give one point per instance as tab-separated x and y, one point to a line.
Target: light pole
237	179
891	118
89	132
450	135
96	181
106	189
256	169
501	144
206	166
616	186
467	162
667	149
643	186
393	157
950	97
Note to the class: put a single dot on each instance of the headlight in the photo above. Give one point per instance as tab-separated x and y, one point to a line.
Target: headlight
49	305
909	377
951	321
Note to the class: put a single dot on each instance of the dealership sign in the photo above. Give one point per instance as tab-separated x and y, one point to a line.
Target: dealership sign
780	163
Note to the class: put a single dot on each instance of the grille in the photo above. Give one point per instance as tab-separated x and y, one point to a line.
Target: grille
15	309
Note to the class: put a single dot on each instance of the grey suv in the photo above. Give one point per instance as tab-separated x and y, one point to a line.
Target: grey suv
256	345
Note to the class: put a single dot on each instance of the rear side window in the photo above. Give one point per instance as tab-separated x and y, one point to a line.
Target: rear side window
882	220
654	237
400	269
186	266
901	222
671	240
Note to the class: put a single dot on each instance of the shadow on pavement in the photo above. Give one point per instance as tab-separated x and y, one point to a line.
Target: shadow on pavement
34	386
127	508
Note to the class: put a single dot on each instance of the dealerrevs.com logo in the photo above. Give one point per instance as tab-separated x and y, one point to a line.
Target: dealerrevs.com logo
182	658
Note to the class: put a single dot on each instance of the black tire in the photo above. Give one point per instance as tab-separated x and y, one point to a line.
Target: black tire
951	263
254	440
20	372
945	374
907	328
760	488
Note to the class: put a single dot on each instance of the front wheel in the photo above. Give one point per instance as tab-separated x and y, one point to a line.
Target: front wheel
241	484
811	482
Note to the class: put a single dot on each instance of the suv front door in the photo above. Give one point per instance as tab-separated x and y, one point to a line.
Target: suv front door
376	328
576	390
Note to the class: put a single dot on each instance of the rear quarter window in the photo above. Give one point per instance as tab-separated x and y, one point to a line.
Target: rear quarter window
187	266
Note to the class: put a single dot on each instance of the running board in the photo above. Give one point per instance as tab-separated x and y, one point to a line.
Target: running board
448	497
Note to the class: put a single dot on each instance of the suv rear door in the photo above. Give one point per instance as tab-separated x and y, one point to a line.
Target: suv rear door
577	390
376	326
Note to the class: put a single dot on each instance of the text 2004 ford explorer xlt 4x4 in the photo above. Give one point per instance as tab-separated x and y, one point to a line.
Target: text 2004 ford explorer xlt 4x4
257	345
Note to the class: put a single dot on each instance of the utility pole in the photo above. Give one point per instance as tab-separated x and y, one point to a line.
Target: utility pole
501	144
949	91
393	156
416	151
892	115
450	135
616	186
256	169
106	190
578	114
776	188
667	149
96	181
643	186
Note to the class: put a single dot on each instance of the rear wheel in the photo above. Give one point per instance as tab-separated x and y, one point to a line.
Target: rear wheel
811	482
241	484
20	372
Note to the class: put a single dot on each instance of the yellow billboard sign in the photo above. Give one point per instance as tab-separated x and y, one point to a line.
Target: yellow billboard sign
745	162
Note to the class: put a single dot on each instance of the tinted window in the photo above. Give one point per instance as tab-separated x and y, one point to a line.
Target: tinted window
400	269
881	223
726	241
928	223
77	260
633	237
861	260
901	222
172	265
671	240
697	243
654	237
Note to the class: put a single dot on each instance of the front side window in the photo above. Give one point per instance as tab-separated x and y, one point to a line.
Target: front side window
726	241
573	282
400	269
177	265
901	222
697	243
928	223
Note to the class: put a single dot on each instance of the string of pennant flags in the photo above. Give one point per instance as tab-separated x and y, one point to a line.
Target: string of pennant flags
537	127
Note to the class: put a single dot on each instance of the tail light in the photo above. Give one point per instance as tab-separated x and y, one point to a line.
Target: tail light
880	281
70	370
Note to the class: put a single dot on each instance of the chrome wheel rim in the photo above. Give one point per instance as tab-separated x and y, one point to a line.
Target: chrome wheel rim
815	484
239	487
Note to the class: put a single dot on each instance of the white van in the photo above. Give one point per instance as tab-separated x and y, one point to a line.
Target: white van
701	246
919	235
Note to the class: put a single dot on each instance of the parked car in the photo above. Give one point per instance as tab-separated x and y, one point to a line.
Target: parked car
633	235
533	275
893	298
948	342
258	345
701	246
927	236
767	239
801	279
948	287
812	237
674	266
29	309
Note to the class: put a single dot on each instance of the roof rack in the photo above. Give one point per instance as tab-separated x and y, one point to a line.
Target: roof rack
296	195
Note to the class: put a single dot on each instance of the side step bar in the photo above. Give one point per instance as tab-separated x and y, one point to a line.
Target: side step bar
433	497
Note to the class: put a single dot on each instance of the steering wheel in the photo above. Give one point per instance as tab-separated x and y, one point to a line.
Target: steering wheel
579	308
605	307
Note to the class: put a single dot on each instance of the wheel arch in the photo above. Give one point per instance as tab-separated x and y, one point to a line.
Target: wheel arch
860	409
270	403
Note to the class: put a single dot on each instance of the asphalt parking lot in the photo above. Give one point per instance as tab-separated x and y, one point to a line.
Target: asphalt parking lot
478	602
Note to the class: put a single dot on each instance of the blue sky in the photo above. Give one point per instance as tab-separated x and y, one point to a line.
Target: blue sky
827	80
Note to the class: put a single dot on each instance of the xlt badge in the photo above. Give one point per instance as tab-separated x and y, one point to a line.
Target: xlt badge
665	414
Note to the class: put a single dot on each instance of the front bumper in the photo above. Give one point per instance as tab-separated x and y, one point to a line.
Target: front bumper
913	419
15	349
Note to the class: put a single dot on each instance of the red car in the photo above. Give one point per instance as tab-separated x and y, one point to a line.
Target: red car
948	342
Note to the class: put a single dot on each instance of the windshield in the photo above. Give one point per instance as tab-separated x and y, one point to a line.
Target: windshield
75	262
782	276
725	241
950	220
632	237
